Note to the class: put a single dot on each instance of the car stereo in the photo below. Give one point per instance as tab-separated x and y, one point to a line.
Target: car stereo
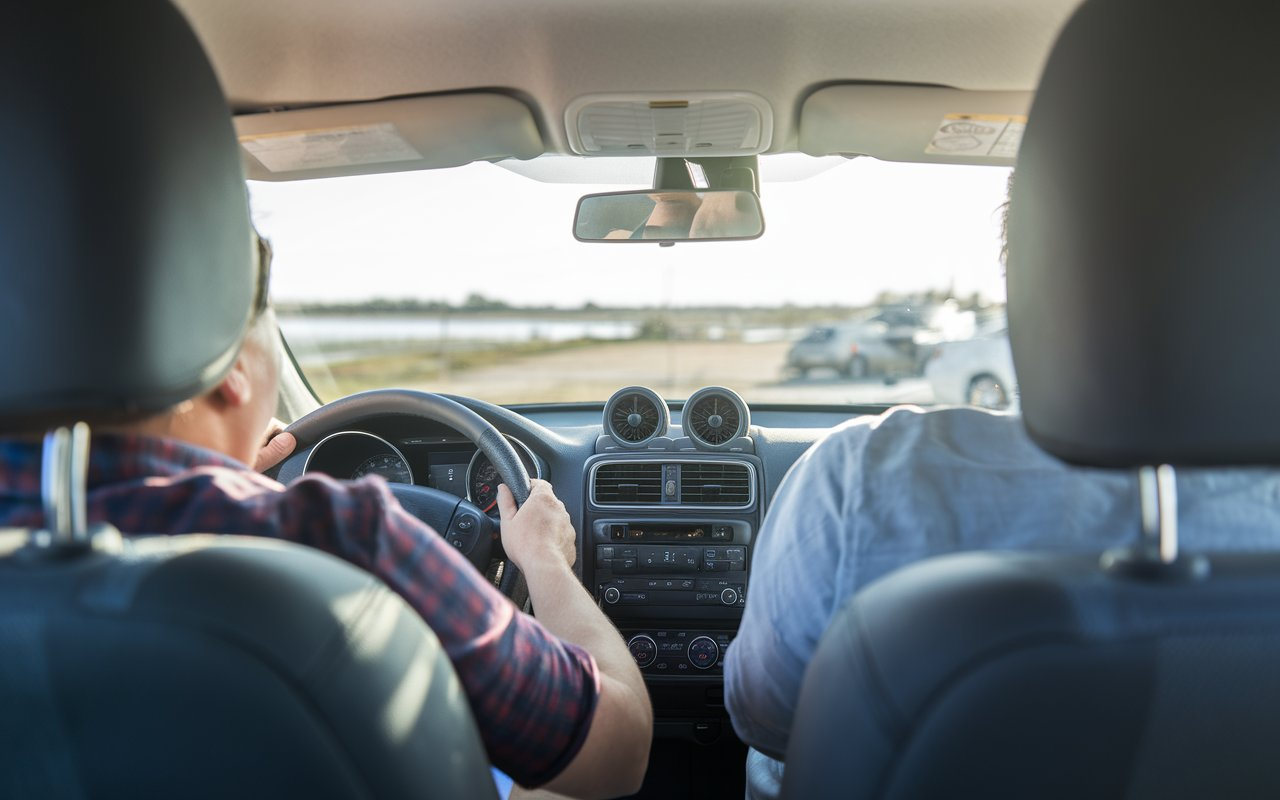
663	566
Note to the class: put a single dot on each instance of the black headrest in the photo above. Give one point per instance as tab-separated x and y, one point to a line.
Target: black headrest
1144	242
125	251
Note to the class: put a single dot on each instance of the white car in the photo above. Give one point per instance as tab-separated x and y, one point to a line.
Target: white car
976	372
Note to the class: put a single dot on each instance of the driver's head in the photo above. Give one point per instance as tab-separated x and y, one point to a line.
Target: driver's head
672	215
724	215
231	417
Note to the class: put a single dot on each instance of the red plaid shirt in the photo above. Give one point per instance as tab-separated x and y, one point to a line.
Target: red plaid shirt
533	695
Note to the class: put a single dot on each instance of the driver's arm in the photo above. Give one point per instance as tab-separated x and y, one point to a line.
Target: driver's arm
541	540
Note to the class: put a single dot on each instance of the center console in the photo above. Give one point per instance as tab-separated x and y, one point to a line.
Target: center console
653	570
667	557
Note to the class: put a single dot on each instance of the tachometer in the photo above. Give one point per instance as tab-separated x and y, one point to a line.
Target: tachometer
483	478
390	466
483	484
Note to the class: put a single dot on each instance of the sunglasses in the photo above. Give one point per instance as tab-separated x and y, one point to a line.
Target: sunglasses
261	299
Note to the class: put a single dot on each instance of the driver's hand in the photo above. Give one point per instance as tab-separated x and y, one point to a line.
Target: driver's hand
540	530
276	446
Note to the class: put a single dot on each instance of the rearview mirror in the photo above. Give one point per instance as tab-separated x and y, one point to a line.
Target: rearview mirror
656	215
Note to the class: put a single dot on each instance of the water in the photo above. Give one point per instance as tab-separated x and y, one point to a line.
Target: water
356	329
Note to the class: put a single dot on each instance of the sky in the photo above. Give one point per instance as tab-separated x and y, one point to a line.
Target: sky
838	237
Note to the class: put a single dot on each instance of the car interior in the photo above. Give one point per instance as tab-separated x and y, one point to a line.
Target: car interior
588	187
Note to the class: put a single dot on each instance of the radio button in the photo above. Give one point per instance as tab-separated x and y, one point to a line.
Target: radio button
624	565
728	597
704	652
604	553
735	553
612	595
714	584
714	566
643	650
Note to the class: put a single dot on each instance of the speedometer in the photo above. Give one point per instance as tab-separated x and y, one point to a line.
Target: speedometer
390	466
483	477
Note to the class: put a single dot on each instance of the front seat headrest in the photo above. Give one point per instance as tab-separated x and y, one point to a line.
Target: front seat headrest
1144	241
126	256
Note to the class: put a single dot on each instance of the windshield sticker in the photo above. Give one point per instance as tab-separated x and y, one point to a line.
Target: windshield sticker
295	151
986	135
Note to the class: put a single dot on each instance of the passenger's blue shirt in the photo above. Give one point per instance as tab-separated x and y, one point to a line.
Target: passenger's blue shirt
881	492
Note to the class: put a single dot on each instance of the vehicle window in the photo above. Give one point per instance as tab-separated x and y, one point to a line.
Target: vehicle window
469	281
818	335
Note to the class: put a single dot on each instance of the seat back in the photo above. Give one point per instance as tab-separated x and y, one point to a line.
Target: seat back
216	667
1018	675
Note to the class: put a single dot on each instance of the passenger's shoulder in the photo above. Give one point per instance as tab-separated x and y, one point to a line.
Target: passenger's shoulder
909	420
917	434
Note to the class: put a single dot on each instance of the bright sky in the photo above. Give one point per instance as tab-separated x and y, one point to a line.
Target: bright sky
841	236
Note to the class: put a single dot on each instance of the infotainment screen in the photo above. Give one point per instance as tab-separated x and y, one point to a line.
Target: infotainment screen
663	532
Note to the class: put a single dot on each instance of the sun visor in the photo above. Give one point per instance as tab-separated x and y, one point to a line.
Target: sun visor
386	136
915	123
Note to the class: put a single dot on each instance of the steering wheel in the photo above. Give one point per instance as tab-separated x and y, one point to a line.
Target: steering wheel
459	521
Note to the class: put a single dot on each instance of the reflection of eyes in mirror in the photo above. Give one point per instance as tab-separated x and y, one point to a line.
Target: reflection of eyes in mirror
669	216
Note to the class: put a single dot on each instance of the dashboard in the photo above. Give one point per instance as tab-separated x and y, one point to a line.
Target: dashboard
667	498
445	461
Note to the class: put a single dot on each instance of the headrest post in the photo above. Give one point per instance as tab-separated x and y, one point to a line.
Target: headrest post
1158	490
63	483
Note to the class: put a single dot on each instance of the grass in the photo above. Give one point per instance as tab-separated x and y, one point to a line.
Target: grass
408	367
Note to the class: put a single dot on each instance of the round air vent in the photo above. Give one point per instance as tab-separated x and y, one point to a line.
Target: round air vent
713	417
635	415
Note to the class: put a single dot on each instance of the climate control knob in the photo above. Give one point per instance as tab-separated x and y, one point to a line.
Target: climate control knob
643	649
704	652
612	595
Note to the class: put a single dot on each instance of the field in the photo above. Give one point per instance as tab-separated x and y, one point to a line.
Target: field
591	371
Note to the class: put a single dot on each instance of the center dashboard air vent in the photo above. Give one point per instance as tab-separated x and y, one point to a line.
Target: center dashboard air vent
628	483
714	417
719	484
715	483
636	415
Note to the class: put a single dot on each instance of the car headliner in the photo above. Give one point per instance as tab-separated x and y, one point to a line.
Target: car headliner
292	53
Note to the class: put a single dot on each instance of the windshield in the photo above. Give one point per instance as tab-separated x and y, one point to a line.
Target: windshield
469	281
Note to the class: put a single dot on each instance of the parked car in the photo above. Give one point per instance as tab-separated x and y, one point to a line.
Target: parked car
897	341
977	372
